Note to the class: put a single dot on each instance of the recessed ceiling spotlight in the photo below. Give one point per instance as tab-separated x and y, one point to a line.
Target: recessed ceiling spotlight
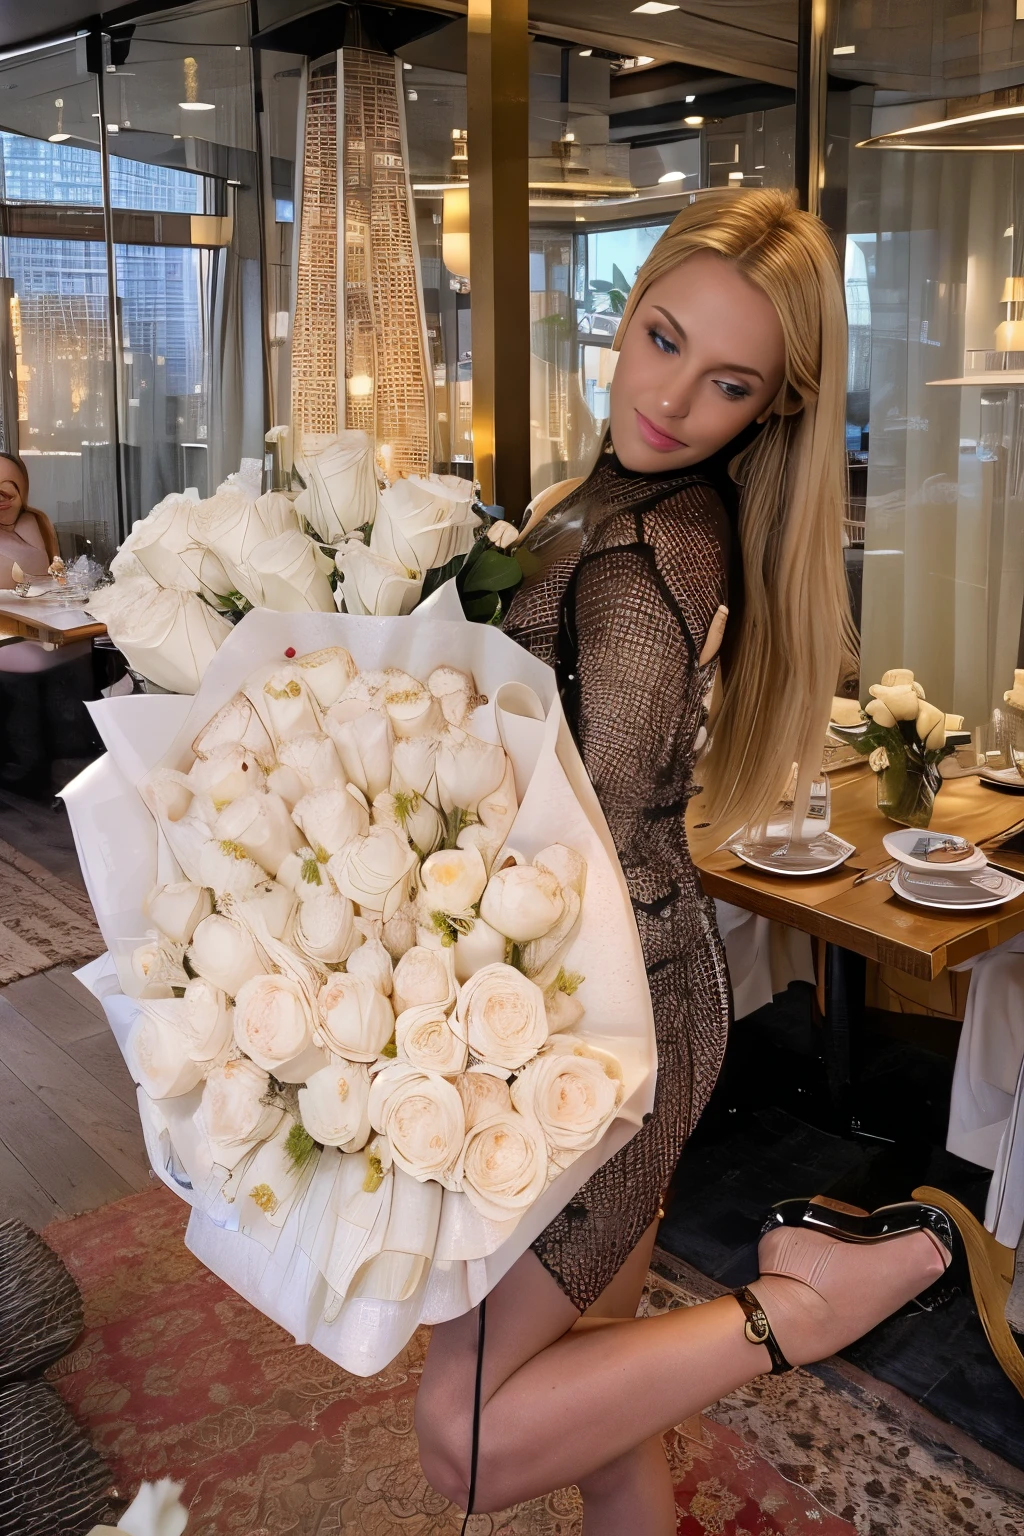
672	176
645	58
694	122
688	99
196	106
585	53
653	8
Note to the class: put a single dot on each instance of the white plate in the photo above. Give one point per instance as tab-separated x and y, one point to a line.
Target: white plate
1006	778
1008	888
901	844
823	853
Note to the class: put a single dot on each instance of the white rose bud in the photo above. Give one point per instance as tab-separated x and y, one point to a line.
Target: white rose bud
315	761
523	902
158	1060
412	817
467	769
374	871
232	1113
495	814
207	1021
305	875
324	929
897	677
372	962
483	1096
177	908
332	818
274	1026
422	1117
901	702
503	534
504	1165
564	1010
424	976
880	713
289	705
411	707
482	945
573	1092
271	904
328	673
224	953
288	784
456	693
412	765
355	1020
261	826
363	737
227	772
425	1038
334	1106
228	871
501	1015
157	969
453	880
399	932
236	723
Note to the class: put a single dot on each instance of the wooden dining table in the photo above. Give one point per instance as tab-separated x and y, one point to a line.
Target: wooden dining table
28	618
869	919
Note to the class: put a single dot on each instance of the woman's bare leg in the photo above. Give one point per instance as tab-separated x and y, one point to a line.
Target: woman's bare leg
559	1403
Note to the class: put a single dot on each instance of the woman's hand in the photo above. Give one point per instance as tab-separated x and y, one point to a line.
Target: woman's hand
716	632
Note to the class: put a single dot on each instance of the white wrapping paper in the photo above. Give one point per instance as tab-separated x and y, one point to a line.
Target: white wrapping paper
448	1255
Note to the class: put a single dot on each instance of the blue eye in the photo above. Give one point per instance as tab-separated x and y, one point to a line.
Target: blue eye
732	391
662	342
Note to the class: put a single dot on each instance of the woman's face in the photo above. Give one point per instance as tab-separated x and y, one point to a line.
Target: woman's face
12	498
703	355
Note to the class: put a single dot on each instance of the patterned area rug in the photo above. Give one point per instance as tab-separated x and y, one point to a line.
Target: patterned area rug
44	921
176	1376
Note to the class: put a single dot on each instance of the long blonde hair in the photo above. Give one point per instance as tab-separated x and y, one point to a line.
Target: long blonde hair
795	630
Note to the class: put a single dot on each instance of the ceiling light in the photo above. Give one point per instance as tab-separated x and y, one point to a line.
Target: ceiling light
645	58
688	99
672	176
998	128
59	138
694	122
196	106
846	48
585	53
653	8
406	66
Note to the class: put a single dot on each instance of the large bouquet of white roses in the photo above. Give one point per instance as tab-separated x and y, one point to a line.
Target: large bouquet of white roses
189	570
381	1012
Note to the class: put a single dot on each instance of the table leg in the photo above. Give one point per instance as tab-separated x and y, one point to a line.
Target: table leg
842	1020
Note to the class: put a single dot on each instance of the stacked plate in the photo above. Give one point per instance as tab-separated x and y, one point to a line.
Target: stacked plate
942	871
821	853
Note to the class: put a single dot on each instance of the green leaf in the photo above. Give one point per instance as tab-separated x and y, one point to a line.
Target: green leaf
493	571
299	1146
439	574
619	278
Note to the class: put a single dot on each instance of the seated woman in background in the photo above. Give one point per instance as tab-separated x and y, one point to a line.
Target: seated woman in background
27	537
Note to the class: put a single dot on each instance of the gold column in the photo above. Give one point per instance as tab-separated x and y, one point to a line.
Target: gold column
498	119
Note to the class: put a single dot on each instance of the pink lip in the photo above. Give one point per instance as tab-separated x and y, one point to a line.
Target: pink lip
655	437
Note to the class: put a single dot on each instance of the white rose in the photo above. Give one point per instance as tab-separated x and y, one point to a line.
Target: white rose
227	772
332	818
176	909
425	1038
411	817
168	635
274	1026
571	1092
232	1113
467	769
483	1096
334	1105
324	929
261	826
236	723
373	585
570	870
902	702
399	932
224	953
270	904
341	487
898	677
412	766
292	573
328	673
424	976
452	881
288	704
372	962
157	968
233	524
504	1165
411	707
167	795
878	760
228	871
564	1010
880	713
314	758
502	534
501	1015
424	521
288	784
456	693
422	1117
482	945
495	812
522	902
363	737
157	542
158	1060
374	871
355	1020
207	1022
305	875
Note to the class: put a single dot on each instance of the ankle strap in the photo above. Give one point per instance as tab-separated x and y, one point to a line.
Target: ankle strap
758	1330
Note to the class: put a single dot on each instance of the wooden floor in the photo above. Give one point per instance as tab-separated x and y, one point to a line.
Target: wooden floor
69	1127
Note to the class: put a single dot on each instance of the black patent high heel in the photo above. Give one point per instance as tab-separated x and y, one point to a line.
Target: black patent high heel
847	1224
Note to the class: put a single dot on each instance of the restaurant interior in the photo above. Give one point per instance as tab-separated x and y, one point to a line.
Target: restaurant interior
197	204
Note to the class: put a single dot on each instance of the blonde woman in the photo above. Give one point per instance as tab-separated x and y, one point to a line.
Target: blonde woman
721	487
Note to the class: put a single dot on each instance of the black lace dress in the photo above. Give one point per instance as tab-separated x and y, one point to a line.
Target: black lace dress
624	578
